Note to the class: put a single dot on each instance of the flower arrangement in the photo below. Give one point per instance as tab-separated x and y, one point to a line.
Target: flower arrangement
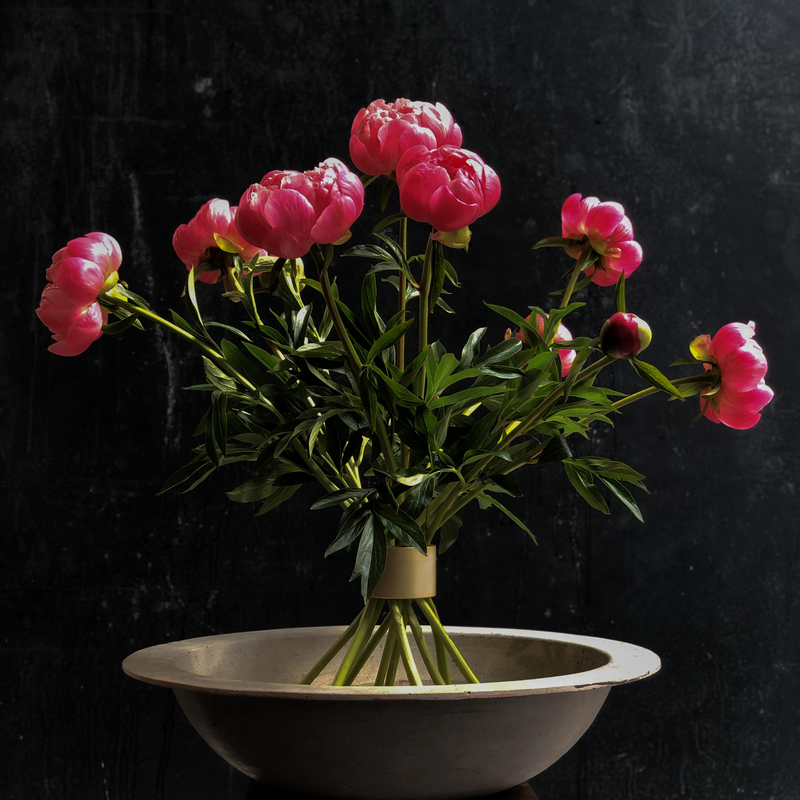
399	432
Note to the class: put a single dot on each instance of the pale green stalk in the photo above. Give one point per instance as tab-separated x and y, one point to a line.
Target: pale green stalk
331	652
368	650
386	657
402	641
448	643
580	265
422	645
365	627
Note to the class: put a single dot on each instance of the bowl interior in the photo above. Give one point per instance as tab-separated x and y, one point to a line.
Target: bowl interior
285	656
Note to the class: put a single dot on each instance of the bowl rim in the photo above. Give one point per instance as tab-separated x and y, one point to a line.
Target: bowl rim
158	665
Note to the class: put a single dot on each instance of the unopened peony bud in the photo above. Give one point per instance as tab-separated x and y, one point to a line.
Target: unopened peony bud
624	335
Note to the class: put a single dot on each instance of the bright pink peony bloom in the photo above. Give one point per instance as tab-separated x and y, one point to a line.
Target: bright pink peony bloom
624	335
80	272
382	132
562	335
608	230
212	232
447	187
741	366
290	211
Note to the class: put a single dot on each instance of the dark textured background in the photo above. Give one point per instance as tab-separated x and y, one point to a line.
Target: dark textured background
125	119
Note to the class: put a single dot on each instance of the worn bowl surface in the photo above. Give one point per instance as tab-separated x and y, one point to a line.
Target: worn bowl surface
539	694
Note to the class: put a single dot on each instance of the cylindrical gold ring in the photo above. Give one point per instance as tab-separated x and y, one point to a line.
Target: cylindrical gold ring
408	575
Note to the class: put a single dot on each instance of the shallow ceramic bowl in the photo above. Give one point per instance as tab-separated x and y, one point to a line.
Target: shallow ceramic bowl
539	693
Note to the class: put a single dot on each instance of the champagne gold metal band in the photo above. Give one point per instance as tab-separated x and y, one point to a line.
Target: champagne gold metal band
408	575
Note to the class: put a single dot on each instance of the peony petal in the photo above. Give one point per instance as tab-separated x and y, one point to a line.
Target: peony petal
334	222
731	337
491	189
190	245
417	187
629	259
571	217
604	218
362	158
99	248
739	410
742	369
449	213
86	328
605	273
81	280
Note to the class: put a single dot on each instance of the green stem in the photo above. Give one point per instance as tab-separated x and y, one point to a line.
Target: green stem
365	627
401	295
580	265
449	645
422	645
424	311
331	652
355	362
362	659
387	657
685	381
333	308
402	640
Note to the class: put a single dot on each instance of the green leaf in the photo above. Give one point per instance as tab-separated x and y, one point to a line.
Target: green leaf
387	221
468	396
448	533
241	363
388	339
622	493
194	309
505	484
219	420
228	328
184	473
437	275
487	500
555	449
500	352
419	497
369	300
386	192
351	528
337	497
611	469
649	374
468	351
370	558
276	496
619	294
554	241
585	486
259	485
403	527
402	395
121	325
216	377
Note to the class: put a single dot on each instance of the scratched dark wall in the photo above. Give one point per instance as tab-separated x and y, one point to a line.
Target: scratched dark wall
125	119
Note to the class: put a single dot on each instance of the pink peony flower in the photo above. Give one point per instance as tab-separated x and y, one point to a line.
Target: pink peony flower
79	274
562	335
290	211
447	187
382	132
624	335
211	233
740	366
610	233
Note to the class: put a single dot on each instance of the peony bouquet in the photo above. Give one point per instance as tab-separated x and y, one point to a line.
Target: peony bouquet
399	432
